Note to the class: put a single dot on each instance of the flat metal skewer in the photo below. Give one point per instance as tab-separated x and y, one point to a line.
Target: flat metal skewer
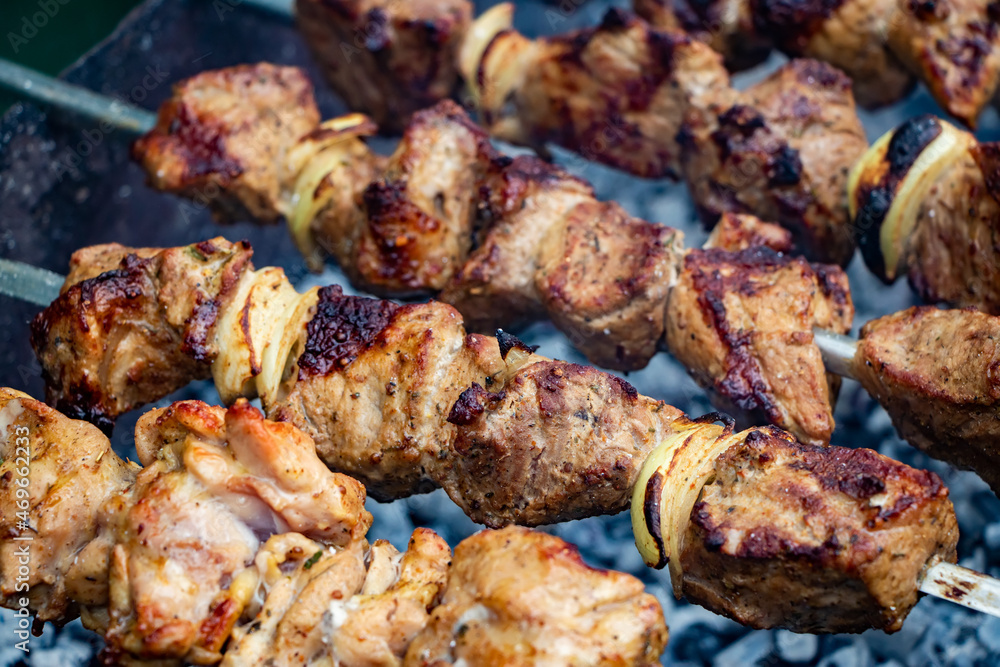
282	8
944	580
50	92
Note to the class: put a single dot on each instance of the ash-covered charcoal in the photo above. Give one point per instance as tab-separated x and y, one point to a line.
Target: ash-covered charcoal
49	210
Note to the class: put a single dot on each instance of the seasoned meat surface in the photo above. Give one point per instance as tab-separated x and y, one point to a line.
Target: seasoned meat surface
133	334
742	324
934	371
782	153
546	464
550	609
735	232
376	382
73	474
954	46
824	539
222	139
604	278
386	58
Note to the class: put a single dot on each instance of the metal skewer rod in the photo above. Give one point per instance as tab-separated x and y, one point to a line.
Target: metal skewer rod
283	8
944	580
51	92
838	352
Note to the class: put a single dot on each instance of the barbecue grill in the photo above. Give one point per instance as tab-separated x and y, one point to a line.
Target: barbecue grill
65	184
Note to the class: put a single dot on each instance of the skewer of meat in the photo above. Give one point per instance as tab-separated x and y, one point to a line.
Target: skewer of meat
234	544
401	398
952	46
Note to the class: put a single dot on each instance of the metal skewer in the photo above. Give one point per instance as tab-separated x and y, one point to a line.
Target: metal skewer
944	580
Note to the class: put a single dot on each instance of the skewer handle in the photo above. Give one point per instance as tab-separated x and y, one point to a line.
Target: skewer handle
963	586
838	352
51	92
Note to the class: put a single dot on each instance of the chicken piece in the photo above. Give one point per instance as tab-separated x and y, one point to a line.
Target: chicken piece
935	373
223	139
728	26
54	551
783	153
386	58
521	201
735	232
216	483
952	255
574	449
550	609
134	334
375	383
604	278
742	324
616	94
814	539
954	47
417	218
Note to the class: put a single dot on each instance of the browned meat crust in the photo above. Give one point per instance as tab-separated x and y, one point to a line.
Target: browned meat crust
782	153
222	139
545	463
824	539
954	47
387	58
742	323
551	609
131	335
735	232
935	372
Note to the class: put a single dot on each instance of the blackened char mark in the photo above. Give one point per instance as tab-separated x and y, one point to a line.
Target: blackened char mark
471	404
791	24
341	329
905	147
987	156
508	342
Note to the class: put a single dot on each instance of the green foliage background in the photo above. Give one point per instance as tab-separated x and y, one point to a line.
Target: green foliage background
71	30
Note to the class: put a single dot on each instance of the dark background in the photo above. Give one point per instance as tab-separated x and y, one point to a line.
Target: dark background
74	28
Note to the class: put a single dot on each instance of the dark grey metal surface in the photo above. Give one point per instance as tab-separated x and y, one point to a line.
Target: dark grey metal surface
64	185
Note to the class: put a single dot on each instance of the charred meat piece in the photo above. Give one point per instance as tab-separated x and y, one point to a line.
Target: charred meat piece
375	384
417	221
224	136
735	232
520	201
954	47
742	324
727	26
783	153
75	477
544	465
818	539
552	609
387	58
935	373
133	334
604	278
617	93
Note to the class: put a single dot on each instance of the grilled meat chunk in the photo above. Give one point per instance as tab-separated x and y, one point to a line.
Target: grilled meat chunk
215	481
521	201
386	58
131	335
742	324
935	373
375	384
416	227
735	232
954	47
553	609
224	136
783	153
816	539
72	477
545	465
604	278
617	93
